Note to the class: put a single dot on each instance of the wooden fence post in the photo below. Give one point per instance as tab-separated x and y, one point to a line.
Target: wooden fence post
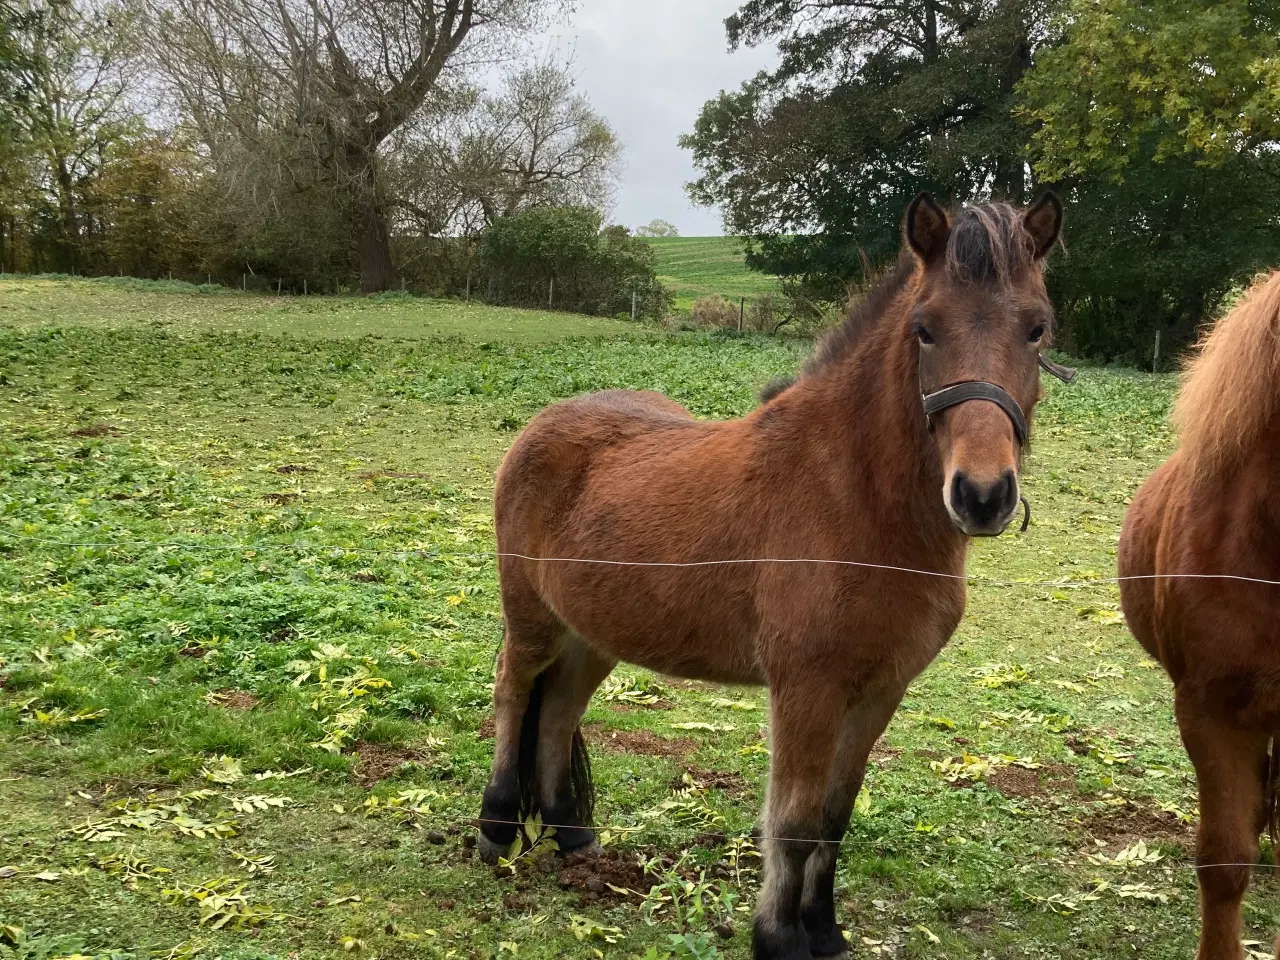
244	283
742	310
468	286
551	292
1155	357
304	286
633	306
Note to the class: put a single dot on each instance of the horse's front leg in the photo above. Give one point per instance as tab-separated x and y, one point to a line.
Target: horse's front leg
806	715
863	724
1231	770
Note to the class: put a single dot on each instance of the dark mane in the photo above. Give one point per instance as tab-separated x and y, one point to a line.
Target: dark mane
989	244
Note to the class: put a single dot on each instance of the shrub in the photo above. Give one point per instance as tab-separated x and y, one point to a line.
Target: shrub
715	311
560	257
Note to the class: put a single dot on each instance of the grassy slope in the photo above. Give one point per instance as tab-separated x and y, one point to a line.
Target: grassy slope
115	303
695	267
148	434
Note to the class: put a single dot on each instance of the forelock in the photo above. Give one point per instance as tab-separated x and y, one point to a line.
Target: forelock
988	244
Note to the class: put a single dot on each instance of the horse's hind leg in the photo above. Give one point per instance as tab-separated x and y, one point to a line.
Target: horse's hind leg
1231	769
563	779
805	720
529	645
863	725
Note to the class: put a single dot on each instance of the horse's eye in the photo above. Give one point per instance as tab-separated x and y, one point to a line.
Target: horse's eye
923	335
1037	334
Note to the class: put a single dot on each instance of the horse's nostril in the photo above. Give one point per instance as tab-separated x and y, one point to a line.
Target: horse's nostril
984	505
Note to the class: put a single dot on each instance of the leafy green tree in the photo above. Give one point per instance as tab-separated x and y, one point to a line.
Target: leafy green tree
68	76
872	101
1161	119
1139	80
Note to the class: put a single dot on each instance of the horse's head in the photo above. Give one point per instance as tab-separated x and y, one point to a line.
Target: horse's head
981	316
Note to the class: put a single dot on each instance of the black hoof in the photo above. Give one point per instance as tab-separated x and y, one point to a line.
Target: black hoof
827	941
576	840
788	943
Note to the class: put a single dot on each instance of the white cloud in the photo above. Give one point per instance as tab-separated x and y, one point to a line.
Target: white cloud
648	66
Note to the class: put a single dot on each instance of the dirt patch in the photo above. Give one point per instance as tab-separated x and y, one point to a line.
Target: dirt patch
487	727
289	468
1016	782
235	699
639	741
377	761
393	475
882	753
96	430
279	499
366	576
1059	778
592	875
1121	827
927	754
729	783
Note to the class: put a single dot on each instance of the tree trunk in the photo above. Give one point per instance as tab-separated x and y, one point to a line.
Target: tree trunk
67	208
372	236
377	273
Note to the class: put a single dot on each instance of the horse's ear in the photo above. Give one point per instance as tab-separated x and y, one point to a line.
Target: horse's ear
926	227
1044	222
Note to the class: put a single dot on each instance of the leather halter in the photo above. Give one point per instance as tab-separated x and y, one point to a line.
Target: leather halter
966	390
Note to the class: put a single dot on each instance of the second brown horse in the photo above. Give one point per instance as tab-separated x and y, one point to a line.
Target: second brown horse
606	506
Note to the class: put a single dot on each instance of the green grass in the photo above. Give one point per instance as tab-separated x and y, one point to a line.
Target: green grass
695	267
180	307
214	575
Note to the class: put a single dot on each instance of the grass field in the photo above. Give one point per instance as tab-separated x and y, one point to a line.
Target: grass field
693	267
246	657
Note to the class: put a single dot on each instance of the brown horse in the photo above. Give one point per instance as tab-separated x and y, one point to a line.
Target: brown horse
1214	509
842	464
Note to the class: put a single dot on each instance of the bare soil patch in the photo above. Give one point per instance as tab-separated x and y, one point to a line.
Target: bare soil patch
279	499
487	727
1016	782
288	468
235	699
377	761
882	753
96	430
729	783
1121	827
591	874
639	741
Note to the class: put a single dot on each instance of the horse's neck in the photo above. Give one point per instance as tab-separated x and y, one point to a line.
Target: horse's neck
863	417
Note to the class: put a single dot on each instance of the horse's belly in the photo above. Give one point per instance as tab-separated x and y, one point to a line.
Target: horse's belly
679	628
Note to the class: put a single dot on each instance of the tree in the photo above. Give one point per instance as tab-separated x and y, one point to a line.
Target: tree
1161	119
68	75
315	88
872	102
536	141
657	228
1164	79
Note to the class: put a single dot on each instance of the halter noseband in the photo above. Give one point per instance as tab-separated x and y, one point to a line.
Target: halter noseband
967	390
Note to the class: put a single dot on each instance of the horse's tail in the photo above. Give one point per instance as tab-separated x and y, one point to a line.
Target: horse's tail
581	786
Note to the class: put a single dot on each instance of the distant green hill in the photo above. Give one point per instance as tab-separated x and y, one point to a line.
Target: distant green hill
695	267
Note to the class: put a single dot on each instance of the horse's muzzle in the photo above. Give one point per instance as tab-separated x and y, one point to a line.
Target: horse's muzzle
981	509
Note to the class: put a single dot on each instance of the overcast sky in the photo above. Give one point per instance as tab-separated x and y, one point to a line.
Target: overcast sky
648	66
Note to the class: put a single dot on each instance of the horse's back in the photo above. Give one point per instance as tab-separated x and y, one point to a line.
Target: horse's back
547	464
